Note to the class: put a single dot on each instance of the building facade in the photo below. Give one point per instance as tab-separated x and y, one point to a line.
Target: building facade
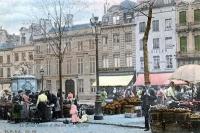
188	32
162	38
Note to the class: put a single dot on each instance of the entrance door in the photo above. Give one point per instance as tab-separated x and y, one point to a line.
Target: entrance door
69	87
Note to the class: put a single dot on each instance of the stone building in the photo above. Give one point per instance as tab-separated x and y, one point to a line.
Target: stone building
188	32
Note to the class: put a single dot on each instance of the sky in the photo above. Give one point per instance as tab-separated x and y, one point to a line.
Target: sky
17	13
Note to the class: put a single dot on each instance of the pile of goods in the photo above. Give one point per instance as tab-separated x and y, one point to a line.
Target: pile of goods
117	106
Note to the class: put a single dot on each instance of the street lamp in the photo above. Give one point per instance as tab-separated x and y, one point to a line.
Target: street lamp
42	74
98	109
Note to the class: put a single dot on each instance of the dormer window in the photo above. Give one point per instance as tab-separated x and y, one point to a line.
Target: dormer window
105	20
116	19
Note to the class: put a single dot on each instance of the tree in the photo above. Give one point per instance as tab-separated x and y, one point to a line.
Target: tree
59	18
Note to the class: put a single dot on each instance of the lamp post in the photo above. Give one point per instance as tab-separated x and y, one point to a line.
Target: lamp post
42	74
98	109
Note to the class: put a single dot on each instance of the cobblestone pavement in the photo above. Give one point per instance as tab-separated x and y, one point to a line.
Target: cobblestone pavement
59	127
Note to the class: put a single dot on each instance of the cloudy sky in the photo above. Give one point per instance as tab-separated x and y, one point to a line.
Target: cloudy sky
17	13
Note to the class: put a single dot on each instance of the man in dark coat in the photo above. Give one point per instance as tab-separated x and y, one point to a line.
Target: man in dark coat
148	98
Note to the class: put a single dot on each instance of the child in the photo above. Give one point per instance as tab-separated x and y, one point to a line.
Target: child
74	114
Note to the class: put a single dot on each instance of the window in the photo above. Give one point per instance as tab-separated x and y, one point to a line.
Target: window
128	37
168	43
105	20
69	66
1	72
168	24
117	60
92	88
129	62
141	63
23	56
169	61
128	17
116	20
48	67
182	18
68	46
38	49
183	44
141	44
16	57
8	59
30	55
80	45
48	49
1	59
80	65
92	64
197	42
30	70
48	84
155	25
156	43
57	84
105	40
115	38
197	15
80	85
141	27
105	61
8	72
156	60
91	44
57	67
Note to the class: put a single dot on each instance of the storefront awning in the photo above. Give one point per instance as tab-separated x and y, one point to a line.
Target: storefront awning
114	80
157	79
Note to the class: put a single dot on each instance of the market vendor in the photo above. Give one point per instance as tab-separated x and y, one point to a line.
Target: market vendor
170	92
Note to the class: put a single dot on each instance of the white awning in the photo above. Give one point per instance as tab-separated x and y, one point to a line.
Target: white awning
114	80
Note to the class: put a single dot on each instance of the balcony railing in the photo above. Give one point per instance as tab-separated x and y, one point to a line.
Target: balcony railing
182	27
191	54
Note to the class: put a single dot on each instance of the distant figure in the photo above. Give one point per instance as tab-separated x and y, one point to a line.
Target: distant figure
161	95
170	92
104	97
74	114
42	105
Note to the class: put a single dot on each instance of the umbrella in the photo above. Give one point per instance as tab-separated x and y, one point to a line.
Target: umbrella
176	82
189	73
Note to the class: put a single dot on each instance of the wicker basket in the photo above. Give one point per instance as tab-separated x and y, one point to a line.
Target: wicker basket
155	116
168	117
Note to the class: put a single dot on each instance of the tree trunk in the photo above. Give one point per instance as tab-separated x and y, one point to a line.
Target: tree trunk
60	77
145	46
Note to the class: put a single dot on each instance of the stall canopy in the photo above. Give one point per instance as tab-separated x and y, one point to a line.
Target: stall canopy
157	79
114	80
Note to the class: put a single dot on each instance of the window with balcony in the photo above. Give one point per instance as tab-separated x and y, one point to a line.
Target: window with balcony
142	63
92	64
1	72
105	61
183	44
168	43
8	59
156	62
30	55
182	18
141	27
129	60
16	57
105	40
197	15
128	37
169	61
1	59
156	44
155	25
8	72
92	88
91	44
116	38
23	56
116	60
168	24
80	65
141	44
80	86
48	84
197	42
80	46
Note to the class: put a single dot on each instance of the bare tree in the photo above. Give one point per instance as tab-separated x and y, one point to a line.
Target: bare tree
59	14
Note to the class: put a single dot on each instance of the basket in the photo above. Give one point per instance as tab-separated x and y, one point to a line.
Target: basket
168	117
155	116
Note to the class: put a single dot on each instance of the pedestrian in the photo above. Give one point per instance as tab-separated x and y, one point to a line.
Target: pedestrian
170	93
74	114
161	97
148	98
42	105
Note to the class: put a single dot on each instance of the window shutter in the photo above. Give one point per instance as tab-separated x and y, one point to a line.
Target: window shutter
197	42
197	15
183	44
182	17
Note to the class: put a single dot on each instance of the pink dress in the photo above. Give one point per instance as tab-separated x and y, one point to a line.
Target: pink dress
74	114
